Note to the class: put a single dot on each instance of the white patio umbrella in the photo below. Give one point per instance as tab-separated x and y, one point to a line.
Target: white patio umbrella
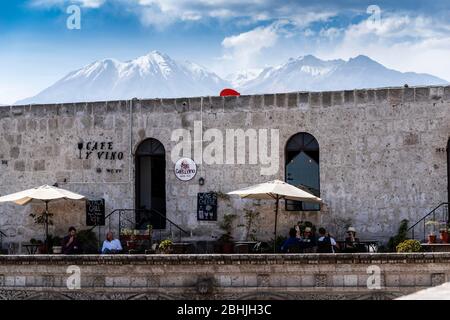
44	193
276	190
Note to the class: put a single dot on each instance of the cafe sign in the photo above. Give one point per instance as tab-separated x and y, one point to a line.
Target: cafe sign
95	212
185	169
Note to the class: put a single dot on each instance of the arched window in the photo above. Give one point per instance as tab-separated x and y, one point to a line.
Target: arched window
302	169
151	184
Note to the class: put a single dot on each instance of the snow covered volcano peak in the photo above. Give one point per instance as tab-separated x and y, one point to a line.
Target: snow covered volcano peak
152	75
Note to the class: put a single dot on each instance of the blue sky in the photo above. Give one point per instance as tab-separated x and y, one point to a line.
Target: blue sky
226	36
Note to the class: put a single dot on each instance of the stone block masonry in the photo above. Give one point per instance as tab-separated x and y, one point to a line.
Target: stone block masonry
380	158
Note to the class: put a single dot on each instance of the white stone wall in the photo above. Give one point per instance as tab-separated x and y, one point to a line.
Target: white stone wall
380	157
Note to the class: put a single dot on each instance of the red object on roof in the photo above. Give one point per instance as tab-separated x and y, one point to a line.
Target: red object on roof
229	92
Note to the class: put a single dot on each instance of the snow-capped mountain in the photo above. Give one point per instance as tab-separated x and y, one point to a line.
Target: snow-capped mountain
149	76
310	73
156	75
241	78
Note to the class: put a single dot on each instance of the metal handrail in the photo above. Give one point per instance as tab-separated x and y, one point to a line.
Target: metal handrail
142	210
122	219
170	221
432	212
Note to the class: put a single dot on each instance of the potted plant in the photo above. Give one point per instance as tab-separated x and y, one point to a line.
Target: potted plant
54	244
57	249
226	239
432	234
39	218
165	246
250	227
409	246
128	237
398	238
126	234
88	240
443	232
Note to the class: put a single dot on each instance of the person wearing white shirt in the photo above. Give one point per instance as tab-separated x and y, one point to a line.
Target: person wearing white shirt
111	245
325	243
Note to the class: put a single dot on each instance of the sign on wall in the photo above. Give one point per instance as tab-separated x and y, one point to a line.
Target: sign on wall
185	169
207	206
95	212
100	150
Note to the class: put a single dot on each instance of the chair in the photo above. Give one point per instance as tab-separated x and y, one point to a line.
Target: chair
13	248
241	248
294	248
362	247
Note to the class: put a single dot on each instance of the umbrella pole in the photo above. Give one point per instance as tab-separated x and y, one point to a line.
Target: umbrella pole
275	232
46	225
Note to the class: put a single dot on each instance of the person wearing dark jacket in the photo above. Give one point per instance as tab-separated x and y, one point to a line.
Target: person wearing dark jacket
309	241
70	244
292	243
352	242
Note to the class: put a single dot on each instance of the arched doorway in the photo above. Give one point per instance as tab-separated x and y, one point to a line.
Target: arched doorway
150	184
302	169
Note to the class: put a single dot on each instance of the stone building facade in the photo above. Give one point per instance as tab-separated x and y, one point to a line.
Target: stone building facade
383	157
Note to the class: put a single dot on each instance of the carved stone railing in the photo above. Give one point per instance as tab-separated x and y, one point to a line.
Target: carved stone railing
237	276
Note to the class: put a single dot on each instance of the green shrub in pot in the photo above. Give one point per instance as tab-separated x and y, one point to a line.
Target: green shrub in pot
409	246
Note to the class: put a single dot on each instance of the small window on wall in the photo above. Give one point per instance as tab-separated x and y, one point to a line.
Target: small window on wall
302	169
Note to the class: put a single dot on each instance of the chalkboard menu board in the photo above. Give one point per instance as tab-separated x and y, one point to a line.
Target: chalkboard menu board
95	212
207	206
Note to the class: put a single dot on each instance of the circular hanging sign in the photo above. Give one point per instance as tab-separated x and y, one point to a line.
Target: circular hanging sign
185	169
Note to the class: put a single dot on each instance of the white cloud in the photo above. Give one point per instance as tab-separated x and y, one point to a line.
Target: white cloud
161	13
194	10
402	42
249	49
91	3
405	41
243	49
330	33
83	3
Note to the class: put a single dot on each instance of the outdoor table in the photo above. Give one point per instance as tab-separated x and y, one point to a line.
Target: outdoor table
181	247
368	244
244	246
31	248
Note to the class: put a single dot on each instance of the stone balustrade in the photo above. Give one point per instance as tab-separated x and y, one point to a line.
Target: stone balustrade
237	276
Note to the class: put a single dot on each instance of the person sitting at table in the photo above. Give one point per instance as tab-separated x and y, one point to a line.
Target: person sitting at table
309	241
70	243
351	241
325	243
292	243
111	245
351	235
